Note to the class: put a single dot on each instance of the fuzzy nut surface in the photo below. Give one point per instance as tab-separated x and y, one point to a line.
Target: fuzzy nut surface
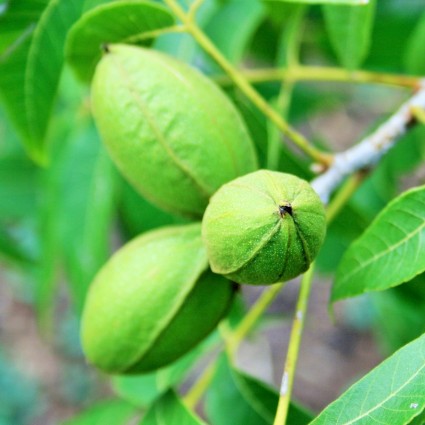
152	302
263	228
172	133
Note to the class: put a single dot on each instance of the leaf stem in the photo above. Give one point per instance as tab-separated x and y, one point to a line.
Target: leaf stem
293	349
241	82
344	194
320	73
200	386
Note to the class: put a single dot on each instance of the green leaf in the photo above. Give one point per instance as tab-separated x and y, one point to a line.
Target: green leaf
124	22
349	30
169	410
390	250
238	399
419	420
44	66
415	49
30	72
349	2
392	393
116	412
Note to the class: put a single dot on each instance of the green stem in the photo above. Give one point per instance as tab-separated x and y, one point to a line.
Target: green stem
344	194
294	346
241	82
200	386
319	73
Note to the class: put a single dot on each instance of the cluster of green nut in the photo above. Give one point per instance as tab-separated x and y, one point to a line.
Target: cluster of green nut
182	144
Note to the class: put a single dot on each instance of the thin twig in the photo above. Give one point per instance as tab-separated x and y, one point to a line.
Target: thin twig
200	386
293	349
321	73
369	151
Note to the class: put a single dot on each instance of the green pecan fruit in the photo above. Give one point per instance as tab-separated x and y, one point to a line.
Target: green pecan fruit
152	302
172	133
263	228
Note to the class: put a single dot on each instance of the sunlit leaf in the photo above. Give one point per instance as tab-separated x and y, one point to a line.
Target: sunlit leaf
389	252
30	73
393	393
44	66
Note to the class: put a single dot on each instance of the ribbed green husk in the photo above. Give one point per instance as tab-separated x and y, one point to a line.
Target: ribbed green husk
248	238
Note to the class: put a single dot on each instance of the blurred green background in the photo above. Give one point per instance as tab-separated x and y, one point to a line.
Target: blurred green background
61	221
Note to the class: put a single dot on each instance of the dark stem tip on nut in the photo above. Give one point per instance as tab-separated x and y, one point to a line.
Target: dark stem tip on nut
105	47
285	209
